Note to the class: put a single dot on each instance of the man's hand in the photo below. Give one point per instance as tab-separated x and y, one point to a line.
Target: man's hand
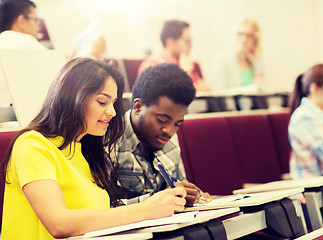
193	193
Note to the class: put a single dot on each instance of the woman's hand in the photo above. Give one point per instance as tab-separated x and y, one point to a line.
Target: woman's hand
165	203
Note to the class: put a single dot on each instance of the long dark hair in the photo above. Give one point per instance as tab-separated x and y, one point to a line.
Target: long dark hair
303	83
63	114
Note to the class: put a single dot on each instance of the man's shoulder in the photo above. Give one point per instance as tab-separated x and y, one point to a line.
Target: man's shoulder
17	40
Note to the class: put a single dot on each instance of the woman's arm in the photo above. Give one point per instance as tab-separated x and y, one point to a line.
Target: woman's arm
47	200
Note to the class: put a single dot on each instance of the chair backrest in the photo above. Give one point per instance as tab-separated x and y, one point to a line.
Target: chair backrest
279	124
131	66
184	155
255	148
5	139
29	74
211	155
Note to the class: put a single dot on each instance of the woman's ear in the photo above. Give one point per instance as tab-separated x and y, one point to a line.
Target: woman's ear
137	105
314	88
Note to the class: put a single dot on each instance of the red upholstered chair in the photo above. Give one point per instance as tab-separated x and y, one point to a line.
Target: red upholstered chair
5	139
255	148
184	156
131	66
113	62
279	125
209	149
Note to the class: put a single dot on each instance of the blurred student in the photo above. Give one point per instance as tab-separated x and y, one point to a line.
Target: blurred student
242	66
160	98
176	40
306	124
19	25
60	179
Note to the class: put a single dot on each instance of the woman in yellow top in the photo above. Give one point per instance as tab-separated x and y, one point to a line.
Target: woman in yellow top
60	182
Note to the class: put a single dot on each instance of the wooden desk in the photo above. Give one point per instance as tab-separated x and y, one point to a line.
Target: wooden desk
314	200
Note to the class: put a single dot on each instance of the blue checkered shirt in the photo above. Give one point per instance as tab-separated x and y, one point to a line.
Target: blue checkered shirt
306	139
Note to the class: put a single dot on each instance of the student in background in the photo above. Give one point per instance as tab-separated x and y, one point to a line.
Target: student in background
19	25
18	30
60	179
160	97
243	65
306	124
176	40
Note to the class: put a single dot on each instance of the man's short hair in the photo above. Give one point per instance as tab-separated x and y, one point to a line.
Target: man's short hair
172	29
166	79
11	9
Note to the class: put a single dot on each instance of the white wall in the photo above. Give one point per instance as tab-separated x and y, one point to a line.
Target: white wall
291	29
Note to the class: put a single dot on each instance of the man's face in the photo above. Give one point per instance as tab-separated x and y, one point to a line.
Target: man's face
159	122
31	23
183	44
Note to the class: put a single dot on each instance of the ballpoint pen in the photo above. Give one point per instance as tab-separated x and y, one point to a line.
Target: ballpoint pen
174	179
165	175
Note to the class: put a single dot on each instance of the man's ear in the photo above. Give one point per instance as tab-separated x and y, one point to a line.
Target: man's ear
137	105
169	42
19	23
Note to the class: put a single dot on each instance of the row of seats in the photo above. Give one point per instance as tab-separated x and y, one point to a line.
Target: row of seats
222	153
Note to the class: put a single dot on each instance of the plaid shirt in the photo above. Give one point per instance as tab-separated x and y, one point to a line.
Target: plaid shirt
137	179
306	139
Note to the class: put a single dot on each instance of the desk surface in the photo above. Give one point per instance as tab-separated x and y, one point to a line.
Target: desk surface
248	200
284	184
201	217
123	236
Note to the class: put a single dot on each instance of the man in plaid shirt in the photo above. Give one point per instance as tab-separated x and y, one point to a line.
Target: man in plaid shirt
160	98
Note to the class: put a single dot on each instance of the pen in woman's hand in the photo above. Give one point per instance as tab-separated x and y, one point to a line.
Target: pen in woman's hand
165	175
174	179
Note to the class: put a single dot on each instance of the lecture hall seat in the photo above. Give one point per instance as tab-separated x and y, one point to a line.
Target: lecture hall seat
5	139
279	125
210	153
255	148
184	155
131	67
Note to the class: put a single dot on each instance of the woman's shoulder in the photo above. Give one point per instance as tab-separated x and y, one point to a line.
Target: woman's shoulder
32	137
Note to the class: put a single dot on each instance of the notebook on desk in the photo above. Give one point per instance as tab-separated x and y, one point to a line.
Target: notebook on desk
176	218
245	200
311	182
28	75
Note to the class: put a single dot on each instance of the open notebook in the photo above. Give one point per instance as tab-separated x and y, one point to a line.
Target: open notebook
245	200
176	218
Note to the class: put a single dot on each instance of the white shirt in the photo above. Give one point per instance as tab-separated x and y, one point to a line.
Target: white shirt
15	40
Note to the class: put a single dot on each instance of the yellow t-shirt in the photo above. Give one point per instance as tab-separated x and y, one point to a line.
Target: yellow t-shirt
33	158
